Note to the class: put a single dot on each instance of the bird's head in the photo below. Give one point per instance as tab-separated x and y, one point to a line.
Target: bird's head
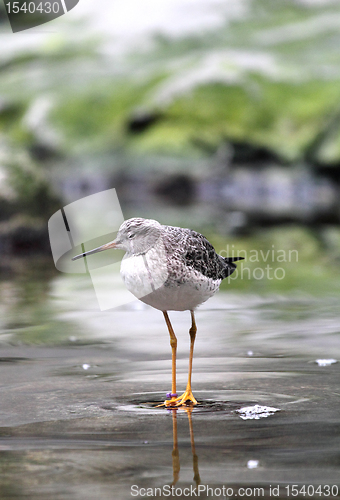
135	236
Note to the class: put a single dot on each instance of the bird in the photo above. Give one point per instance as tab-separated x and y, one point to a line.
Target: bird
171	269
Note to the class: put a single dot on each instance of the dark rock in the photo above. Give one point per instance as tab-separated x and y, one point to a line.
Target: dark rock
24	235
141	122
178	189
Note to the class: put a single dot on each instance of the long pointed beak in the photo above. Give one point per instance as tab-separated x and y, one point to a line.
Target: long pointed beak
111	244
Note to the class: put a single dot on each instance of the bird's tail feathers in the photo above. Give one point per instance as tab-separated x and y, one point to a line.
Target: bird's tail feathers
233	259
230	266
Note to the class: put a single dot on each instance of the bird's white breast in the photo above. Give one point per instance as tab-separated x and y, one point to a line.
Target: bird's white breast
146	273
146	277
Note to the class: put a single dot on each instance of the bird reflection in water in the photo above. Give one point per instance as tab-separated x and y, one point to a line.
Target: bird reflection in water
175	451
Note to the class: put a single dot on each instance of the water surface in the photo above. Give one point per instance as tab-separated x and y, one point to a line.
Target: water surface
79	389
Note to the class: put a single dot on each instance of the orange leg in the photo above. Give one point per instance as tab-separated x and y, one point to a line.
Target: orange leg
187	395
173	344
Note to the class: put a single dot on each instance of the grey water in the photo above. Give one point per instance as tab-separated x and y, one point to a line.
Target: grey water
79	391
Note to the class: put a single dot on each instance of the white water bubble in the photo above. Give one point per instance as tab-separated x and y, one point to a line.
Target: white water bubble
256	412
325	362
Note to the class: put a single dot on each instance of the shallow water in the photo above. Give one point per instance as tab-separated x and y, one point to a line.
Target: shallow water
79	389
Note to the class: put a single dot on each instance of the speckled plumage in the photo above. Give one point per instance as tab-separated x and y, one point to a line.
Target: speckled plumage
170	268
194	251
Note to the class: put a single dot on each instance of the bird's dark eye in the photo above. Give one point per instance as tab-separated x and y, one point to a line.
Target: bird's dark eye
131	235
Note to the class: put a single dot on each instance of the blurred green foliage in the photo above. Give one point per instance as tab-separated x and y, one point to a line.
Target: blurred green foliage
271	78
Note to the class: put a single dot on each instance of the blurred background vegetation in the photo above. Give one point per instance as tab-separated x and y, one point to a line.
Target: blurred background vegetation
223	116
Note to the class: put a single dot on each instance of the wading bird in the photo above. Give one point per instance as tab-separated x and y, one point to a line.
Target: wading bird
171	269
